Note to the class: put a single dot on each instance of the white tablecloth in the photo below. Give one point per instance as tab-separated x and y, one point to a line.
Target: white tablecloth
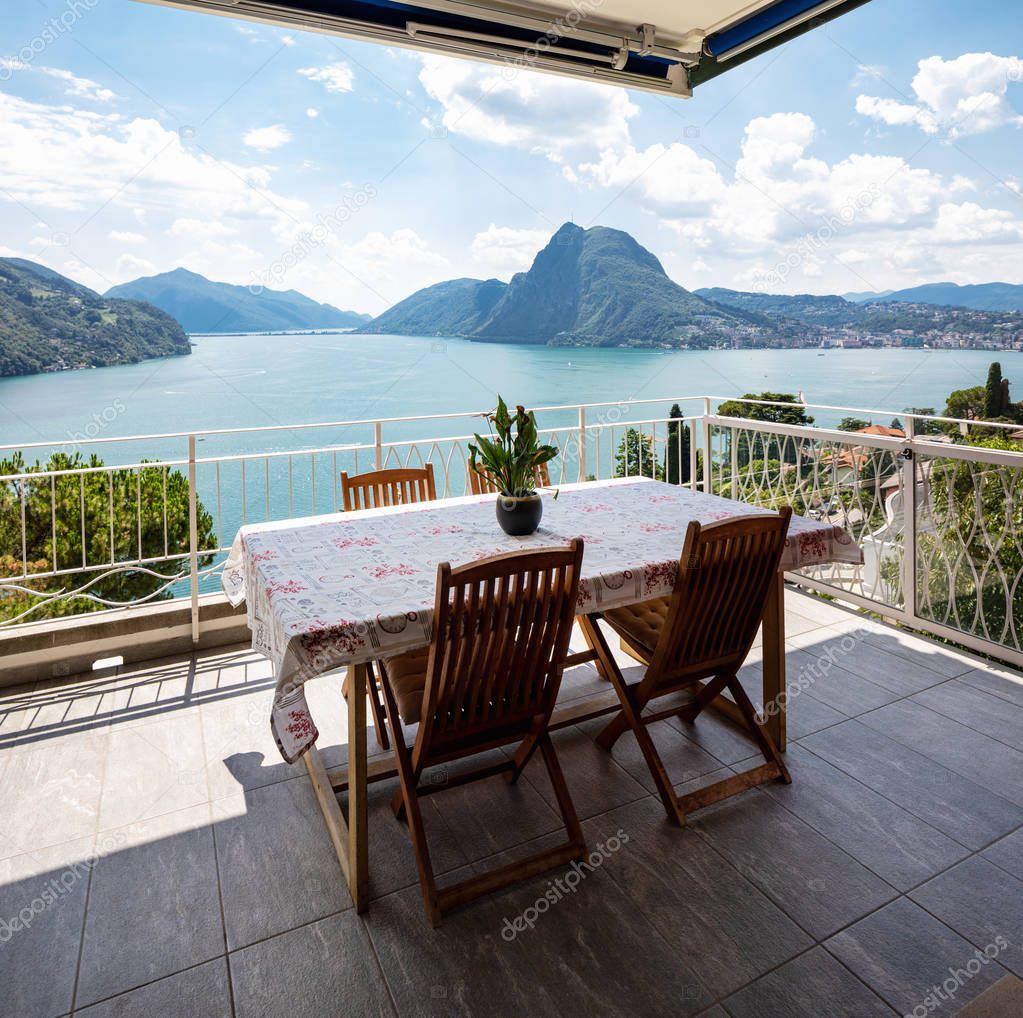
330	591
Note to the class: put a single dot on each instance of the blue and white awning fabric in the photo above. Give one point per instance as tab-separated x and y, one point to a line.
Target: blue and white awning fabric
665	46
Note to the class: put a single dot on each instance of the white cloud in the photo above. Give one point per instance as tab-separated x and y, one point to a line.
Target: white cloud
503	250
59	157
967	95
389	265
335	77
199	228
968	223
554	117
74	85
312	112
287	40
129	267
265	139
127	237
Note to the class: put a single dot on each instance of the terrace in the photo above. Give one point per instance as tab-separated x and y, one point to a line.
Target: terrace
160	858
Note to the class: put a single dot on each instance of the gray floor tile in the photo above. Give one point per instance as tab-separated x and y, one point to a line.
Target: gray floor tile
981	903
51	791
813	881
684	888
1008	853
831	684
984	761
999	1000
805	714
897	846
277	866
596	783
963	810
200	992
390	847
814	985
723	739
983	712
906	956
1000	682
587	953
154	908
323	970
825	613
852	651
683	759
154	768
42	906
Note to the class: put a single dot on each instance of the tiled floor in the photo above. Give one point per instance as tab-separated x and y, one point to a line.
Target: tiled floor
158	858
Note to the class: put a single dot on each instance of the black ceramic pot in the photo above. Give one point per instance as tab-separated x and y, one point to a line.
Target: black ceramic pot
519	516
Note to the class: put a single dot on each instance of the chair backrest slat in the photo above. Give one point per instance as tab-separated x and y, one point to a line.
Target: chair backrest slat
388	487
717	604
501	633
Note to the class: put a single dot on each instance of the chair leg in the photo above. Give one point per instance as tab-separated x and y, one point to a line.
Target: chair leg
611	732
377	709
692	710
407	780
759	731
522	756
565	804
632	715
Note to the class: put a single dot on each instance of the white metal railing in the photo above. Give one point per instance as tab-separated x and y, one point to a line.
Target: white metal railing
81	536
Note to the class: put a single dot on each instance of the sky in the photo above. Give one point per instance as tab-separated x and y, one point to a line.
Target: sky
876	152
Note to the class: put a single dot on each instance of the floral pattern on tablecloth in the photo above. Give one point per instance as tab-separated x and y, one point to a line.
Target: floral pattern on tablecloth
331	591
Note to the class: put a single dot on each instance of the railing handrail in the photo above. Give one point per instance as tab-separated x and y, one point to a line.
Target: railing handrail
464	414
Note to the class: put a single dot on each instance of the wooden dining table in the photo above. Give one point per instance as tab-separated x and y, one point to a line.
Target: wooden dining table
329	593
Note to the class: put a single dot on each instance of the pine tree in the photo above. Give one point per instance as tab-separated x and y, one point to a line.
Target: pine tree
677	453
993	392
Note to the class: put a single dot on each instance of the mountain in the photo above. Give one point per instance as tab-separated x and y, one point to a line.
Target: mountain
832	317
862	296
202	305
50	323
980	296
455	308
595	287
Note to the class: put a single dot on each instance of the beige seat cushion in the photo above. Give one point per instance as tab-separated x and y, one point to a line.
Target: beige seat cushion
406	675
640	624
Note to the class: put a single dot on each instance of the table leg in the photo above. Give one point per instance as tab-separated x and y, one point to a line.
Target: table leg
774	662
358	840
348	836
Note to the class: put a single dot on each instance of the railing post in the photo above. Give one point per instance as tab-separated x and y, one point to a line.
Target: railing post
706	445
582	443
193	538
378	446
909	520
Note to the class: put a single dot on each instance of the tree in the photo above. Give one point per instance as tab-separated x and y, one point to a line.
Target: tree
852	424
993	392
82	522
967	404
896	424
635	457
922	426
751	445
677	452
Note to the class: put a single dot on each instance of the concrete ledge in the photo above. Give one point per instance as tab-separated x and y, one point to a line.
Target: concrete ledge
55	648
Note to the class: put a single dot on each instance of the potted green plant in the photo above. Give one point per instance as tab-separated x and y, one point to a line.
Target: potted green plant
512	456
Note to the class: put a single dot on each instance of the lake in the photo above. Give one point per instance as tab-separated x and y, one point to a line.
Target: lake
252	381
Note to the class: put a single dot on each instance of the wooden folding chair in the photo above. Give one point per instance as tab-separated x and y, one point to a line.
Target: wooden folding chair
696	639
489	678
388	487
367	491
481	482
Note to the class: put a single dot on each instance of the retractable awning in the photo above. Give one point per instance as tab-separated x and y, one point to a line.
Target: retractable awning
665	46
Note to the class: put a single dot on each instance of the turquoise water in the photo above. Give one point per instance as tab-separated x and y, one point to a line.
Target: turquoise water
252	381
260	381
